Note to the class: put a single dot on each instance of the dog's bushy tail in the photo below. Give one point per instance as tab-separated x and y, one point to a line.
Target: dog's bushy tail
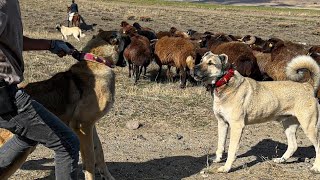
296	70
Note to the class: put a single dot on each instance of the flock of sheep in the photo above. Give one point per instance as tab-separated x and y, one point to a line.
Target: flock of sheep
254	57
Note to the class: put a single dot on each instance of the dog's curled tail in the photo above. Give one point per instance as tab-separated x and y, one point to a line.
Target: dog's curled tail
296	70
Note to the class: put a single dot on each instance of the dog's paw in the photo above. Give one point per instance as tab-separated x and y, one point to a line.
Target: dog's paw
315	169
223	169
279	160
217	160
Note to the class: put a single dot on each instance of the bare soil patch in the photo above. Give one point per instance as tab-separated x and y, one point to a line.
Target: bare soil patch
178	131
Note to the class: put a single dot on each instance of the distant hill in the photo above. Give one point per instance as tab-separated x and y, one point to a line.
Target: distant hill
280	3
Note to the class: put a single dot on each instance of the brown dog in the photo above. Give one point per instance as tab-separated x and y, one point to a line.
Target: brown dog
239	101
86	85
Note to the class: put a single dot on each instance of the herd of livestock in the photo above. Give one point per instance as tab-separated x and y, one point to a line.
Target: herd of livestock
254	57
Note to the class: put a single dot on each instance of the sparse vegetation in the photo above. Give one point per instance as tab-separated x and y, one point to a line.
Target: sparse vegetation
154	151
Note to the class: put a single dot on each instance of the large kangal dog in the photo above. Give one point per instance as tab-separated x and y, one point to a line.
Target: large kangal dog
79	97
239	101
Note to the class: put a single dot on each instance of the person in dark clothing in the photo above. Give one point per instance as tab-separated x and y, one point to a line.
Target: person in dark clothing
72	9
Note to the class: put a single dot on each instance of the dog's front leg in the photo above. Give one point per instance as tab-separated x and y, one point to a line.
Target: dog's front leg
99	157
236	129
85	134
222	136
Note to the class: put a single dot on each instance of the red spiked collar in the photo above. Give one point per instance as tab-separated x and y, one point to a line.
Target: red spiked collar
224	79
93	58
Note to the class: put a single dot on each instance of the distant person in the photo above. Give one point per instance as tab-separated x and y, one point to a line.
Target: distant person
72	9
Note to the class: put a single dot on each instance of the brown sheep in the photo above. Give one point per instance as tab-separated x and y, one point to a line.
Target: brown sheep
314	52
241	56
139	27
194	35
141	31
138	53
212	41
255	42
174	51
281	53
172	32
162	34
176	33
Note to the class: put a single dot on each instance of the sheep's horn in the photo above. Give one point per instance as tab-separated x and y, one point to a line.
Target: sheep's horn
153	40
251	41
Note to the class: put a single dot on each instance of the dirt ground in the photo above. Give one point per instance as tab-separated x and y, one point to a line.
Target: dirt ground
179	131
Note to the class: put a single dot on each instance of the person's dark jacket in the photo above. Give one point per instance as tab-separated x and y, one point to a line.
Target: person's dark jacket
74	8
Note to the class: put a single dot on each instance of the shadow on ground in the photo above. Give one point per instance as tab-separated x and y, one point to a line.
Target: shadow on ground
178	167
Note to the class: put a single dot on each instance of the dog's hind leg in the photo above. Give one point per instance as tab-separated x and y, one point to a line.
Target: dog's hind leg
85	134
236	129
77	37
308	123
101	166
290	126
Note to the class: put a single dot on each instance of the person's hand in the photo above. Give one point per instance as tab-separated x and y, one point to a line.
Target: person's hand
61	48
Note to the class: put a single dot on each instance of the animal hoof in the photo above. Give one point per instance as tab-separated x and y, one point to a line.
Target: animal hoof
223	169
182	86
279	160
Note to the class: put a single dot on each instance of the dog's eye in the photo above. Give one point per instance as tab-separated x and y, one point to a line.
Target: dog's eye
210	63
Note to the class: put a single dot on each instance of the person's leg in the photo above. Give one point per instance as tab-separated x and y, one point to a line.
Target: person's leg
12	149
61	139
36	124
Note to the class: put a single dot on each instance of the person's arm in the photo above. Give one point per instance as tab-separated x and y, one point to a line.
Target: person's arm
30	44
77	8
58	47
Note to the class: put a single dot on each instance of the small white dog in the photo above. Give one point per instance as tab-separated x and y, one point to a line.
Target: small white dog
68	31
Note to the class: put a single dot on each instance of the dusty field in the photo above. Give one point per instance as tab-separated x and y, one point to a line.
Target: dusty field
179	130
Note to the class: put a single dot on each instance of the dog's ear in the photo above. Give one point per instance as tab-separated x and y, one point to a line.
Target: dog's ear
223	58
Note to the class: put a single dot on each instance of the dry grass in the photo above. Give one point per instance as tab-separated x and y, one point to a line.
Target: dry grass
167	112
